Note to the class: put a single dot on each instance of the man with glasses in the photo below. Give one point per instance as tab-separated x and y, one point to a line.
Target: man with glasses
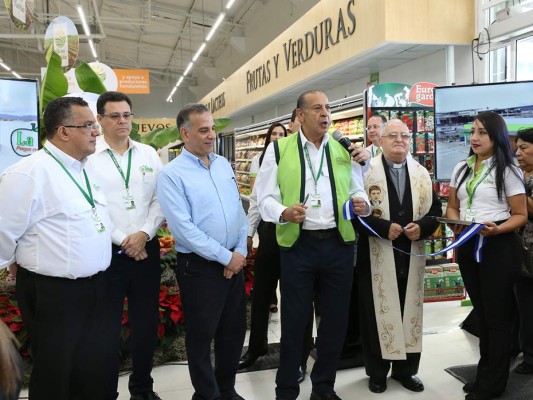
390	299
55	233
316	242
374	127
127	172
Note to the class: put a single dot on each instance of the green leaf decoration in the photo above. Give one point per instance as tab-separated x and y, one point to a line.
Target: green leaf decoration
161	137
54	83
88	80
221	123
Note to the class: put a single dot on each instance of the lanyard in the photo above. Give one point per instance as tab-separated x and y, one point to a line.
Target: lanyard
88	197
127	177
472	185
315	179
378	152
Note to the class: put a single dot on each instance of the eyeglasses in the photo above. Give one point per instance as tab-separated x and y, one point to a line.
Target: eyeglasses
90	126
394	135
116	116
373	127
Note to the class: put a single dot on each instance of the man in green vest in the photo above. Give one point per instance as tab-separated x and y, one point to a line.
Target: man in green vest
305	181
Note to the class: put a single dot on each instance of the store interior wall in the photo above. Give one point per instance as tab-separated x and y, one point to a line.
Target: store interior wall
431	68
153	105
274	18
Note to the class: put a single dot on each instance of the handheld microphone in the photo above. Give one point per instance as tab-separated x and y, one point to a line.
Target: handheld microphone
345	142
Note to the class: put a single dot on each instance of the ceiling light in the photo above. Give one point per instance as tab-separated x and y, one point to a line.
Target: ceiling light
83	21
179	81
16	75
202	47
93	49
5	66
188	68
230	3
215	26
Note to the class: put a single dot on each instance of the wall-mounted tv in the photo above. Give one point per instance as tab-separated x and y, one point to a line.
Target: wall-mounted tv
19	120
457	106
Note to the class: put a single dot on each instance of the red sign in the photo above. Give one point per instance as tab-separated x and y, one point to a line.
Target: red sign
422	93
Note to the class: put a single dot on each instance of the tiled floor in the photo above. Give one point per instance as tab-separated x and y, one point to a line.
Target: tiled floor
445	345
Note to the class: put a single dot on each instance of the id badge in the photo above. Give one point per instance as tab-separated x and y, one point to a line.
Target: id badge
470	215
98	224
316	201
129	202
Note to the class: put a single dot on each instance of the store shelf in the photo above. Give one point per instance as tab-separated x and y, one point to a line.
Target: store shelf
243	184
243	172
243	160
249	147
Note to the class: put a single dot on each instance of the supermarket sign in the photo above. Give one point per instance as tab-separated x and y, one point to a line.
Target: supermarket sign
401	95
326	34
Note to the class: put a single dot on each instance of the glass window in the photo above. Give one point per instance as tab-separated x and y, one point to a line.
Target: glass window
524	59
499	64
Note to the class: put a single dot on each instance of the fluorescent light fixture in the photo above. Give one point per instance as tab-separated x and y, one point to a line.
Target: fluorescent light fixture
92	48
230	3
188	68
83	20
5	66
179	81
173	91
202	47
16	75
215	26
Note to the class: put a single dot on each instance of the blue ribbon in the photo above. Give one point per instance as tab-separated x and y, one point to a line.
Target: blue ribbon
467	234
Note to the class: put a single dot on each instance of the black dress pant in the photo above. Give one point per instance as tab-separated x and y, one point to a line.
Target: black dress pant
267	269
524	298
326	259
214	309
68	326
375	365
490	285
140	282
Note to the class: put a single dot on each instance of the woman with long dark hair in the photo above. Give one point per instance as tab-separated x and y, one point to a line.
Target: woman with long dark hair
489	189
266	268
524	284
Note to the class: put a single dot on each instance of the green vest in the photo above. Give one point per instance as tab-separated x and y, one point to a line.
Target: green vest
291	181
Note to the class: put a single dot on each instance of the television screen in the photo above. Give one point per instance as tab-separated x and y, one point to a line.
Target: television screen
19	120
457	106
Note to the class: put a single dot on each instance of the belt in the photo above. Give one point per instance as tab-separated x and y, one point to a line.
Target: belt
194	256
321	234
60	278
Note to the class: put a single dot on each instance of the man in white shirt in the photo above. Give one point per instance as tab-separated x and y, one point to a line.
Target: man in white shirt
127	172
55	234
374	128
305	182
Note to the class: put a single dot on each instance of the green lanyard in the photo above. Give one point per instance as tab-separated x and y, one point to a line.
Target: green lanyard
127	177
88	197
472	185
378	152
315	178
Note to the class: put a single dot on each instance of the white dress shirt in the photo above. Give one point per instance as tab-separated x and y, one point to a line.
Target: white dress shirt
145	166
253	216
46	224
269	196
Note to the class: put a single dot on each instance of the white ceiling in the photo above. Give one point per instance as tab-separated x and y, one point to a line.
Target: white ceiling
163	36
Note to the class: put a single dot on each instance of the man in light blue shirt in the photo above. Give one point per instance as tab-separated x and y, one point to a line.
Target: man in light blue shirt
198	194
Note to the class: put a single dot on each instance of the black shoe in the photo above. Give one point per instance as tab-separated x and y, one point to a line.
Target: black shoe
480	396
523	368
377	385
248	359
411	382
469	387
145	396
301	373
324	396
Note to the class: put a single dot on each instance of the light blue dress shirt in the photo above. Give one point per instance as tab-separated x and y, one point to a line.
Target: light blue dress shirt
203	207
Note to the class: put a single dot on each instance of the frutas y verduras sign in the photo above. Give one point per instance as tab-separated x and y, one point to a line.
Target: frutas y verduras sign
328	33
